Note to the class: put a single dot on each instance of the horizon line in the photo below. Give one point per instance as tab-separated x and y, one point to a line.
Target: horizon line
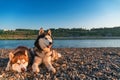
60	28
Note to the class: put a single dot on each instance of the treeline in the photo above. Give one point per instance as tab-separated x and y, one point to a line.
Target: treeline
61	32
78	32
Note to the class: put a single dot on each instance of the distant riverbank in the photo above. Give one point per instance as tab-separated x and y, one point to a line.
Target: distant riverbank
33	37
84	37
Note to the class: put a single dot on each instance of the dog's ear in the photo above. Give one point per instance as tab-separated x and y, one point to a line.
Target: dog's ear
26	53
49	32
41	31
11	55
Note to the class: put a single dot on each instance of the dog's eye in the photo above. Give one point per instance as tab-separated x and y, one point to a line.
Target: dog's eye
18	63
23	62
45	38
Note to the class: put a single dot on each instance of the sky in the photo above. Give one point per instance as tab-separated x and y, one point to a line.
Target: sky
33	14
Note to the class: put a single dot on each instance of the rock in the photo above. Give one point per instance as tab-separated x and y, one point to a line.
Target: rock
55	78
41	76
35	79
107	69
64	65
82	63
82	76
75	64
98	74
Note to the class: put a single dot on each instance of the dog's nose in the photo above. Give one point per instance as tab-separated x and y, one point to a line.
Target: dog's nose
50	43
23	69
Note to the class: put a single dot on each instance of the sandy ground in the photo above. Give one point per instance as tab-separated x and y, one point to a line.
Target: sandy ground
75	64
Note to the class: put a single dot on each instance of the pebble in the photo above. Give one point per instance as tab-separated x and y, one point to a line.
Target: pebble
75	64
55	78
81	63
64	65
82	76
35	79
98	74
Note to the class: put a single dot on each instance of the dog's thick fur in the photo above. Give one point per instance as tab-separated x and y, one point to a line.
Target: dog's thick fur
19	59
43	52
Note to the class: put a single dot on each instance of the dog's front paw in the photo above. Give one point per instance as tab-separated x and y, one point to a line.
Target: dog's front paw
35	69
53	70
7	69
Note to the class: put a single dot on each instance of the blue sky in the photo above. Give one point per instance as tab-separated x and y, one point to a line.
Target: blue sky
33	14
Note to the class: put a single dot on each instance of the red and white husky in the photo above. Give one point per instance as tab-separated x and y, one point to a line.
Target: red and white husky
19	59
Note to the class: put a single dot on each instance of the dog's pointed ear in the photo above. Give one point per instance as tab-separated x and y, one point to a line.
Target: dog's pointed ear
11	55
26	53
49	32
41	31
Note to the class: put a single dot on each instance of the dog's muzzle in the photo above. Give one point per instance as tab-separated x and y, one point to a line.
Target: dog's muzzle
23	69
50	43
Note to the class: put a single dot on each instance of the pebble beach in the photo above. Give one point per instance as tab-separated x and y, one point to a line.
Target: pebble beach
75	64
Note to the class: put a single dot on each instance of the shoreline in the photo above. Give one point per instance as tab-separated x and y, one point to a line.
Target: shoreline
76	63
63	38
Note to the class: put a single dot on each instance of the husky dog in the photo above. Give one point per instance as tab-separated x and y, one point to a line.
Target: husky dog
43	52
19	59
44	40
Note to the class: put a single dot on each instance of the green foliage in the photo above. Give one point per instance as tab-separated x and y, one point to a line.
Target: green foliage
61	32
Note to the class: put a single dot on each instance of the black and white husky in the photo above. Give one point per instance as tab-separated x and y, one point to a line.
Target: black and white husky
43	52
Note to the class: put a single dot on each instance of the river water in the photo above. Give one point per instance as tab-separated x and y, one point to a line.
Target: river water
87	43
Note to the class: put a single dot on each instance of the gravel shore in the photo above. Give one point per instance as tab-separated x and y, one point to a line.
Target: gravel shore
75	64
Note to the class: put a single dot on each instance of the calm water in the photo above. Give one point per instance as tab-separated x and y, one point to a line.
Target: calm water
64	43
